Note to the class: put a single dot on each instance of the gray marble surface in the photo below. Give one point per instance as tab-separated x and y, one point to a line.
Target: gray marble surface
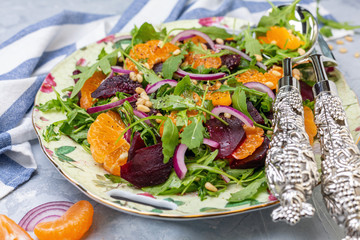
47	184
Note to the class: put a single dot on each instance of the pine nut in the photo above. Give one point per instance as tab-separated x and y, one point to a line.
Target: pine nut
339	42
357	55
219	41
227	115
143	108
273	42
147	65
144	96
331	47
176	52
210	187
275	73
194	81
140	101
343	50
141	73
269	84
349	38
269	132
296	71
121	59
258	57
301	51
139	78
139	90
158	120
132	76
226	83
114	99
297	77
218	85
278	68
148	104
203	46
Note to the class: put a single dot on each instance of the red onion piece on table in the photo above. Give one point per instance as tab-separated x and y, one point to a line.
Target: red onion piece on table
45	212
242	54
118	69
152	88
194	32
111	105
204	77
261	88
232	111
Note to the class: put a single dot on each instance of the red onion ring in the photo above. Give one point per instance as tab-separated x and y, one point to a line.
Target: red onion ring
152	88
44	212
261	88
242	54
142	115
124	37
194	32
236	113
202	77
111	105
179	160
211	143
118	69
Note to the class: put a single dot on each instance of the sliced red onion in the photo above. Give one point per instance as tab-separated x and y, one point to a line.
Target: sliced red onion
211	143
124	37
236	113
179	160
204	77
118	69
152	88
186	37
127	136
242	54
45	212
225	178
111	105
261	88
142	115
194	32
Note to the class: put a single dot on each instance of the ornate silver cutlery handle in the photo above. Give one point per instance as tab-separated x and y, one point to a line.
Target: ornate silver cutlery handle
340	179
290	164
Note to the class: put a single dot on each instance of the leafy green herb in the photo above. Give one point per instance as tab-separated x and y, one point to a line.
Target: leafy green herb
239	101
214	32
169	139
249	191
145	33
310	104
182	86
171	65
50	135
252	45
193	134
326	31
333	24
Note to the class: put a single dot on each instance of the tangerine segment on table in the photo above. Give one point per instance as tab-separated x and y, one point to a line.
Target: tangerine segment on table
102	136
150	52
282	37
75	222
269	78
86	101
309	122
10	230
254	139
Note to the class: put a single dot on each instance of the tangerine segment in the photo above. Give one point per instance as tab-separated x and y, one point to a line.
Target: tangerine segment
254	139
86	101
309	122
102	136
195	60
10	230
151	53
75	222
282	37
269	78
219	98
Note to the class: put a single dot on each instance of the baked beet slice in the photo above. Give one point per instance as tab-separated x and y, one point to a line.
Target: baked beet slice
136	143
157	67
146	168
306	91
119	83
257	159
228	136
254	113
230	60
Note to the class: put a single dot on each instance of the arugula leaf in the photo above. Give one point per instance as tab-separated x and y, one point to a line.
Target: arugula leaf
310	104
172	102
252	45
193	134
169	139
182	118
182	86
171	65
249	191
50	135
239	102
334	24
214	32
145	33
326	31
52	104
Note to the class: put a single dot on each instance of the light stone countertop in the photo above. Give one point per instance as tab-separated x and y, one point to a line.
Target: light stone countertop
48	185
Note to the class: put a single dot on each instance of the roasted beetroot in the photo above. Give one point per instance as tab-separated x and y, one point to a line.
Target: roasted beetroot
254	113
231	60
119	83
136	143
158	67
306	91
146	168
257	159
229	137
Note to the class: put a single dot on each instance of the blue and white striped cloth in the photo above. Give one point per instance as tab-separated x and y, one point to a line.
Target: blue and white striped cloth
27	57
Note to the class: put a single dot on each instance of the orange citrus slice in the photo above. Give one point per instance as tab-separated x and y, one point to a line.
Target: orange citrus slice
282	37
10	230
254	139
86	101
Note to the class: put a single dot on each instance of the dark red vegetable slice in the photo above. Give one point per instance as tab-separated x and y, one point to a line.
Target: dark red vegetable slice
119	83
136	144
254	113
229	137
231	60
257	159
306	91
146	168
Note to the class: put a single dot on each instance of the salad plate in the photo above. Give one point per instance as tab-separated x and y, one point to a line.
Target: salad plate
79	168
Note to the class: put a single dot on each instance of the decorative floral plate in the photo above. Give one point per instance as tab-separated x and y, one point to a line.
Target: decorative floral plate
80	169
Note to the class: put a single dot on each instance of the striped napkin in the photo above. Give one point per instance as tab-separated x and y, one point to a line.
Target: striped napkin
27	57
